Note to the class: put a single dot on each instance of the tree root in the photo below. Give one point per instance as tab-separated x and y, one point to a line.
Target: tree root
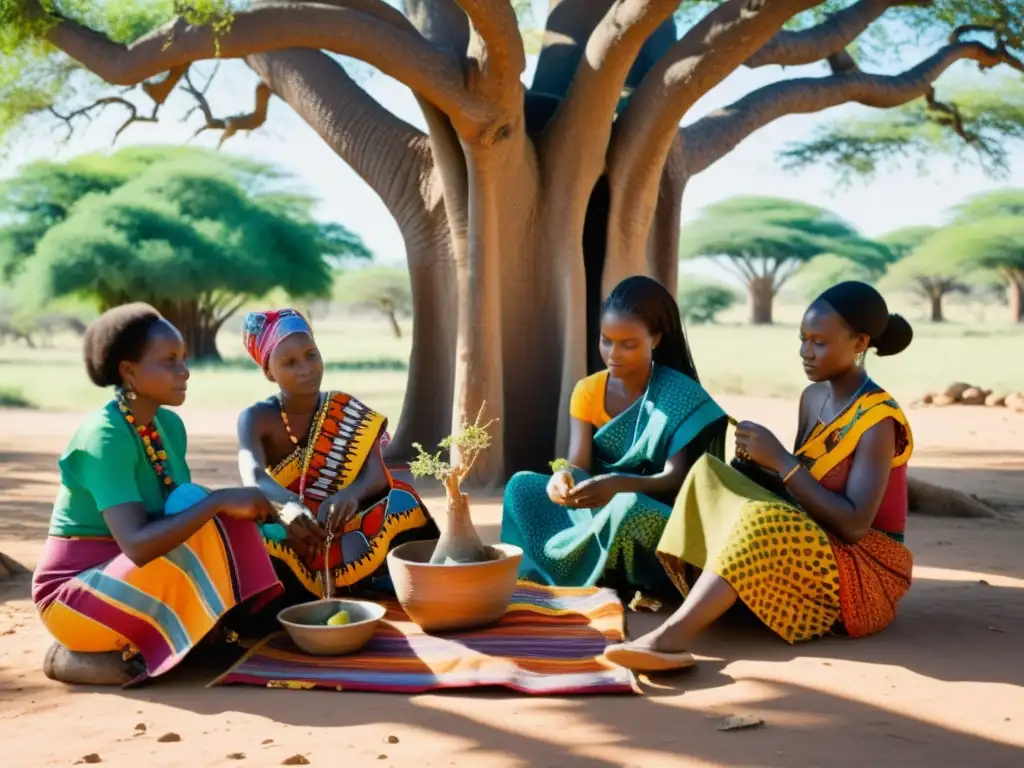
938	501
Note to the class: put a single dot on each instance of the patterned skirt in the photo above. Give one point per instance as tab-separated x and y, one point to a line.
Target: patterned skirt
564	547
795	577
92	598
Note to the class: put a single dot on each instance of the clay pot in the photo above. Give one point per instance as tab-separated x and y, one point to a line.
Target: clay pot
956	391
928	399
995	401
1016	401
944	400
452	597
973	396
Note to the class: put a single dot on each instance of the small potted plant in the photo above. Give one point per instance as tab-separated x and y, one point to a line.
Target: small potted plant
454	582
459	542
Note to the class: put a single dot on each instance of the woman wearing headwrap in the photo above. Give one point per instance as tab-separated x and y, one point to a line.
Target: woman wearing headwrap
317	457
810	541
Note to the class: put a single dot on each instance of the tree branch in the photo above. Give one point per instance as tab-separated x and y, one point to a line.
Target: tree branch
717	134
568	27
102	104
159	90
382	149
248	121
647	127
496	54
402	54
595	92
790	48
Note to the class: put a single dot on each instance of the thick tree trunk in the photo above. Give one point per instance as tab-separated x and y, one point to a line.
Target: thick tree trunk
761	297
935	302
198	331
427	410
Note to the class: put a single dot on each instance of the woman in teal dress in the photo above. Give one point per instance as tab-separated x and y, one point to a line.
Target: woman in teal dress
636	429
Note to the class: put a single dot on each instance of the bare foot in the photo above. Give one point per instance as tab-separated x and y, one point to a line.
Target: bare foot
73	668
663	640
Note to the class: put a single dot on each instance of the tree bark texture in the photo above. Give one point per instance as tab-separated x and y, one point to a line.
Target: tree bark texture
521	208
760	298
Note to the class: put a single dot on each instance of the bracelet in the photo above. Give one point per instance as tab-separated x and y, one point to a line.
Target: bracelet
791	472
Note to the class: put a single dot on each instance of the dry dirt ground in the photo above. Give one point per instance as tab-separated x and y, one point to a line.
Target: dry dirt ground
944	686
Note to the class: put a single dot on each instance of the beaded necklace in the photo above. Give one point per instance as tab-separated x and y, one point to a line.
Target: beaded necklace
151	441
314	428
307	455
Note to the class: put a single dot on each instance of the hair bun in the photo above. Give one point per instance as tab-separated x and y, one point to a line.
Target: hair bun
895	338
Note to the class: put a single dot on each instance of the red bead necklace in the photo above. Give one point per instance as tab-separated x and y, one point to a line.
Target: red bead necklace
152	442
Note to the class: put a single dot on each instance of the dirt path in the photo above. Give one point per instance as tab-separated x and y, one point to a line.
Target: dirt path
943	687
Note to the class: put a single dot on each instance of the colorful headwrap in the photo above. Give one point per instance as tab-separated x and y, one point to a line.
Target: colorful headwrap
263	331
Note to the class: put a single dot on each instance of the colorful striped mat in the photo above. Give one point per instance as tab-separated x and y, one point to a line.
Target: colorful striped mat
548	643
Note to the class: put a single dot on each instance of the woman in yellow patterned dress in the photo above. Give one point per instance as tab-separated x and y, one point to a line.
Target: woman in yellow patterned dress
811	542
317	457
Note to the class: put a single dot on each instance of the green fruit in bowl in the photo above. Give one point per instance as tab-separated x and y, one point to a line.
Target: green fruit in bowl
339	619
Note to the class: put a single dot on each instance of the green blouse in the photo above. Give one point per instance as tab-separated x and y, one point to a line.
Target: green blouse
105	465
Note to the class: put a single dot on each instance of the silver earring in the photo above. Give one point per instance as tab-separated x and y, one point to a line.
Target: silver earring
861	359
130	393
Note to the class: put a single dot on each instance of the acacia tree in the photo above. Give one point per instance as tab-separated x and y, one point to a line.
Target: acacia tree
384	289
185	236
764	241
991	226
995	244
521	206
926	272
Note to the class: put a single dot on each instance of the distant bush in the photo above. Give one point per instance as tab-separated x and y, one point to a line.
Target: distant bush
12	398
702	302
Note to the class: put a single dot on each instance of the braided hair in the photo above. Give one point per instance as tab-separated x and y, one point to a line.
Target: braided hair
651	303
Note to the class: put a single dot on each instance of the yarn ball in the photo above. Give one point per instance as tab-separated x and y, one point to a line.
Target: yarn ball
183	497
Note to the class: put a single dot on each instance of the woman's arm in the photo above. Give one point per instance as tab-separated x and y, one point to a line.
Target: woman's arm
581	443
850	515
143	541
662	485
252	461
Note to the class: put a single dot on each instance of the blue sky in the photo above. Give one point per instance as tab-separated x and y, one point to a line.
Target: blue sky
893	199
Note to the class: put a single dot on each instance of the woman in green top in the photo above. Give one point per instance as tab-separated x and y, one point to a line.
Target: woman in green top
140	564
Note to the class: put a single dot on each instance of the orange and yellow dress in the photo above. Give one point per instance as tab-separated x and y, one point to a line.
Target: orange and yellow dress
344	433
798	578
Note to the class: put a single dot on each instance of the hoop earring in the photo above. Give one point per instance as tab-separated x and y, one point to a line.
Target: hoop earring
129	393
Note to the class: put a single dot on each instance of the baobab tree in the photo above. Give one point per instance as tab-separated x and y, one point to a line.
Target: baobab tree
521	205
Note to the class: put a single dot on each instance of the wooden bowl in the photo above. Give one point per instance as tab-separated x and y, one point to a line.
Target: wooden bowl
452	597
307	626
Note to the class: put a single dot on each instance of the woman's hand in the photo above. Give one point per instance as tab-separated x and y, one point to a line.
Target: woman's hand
244	504
757	444
301	528
559	486
595	492
335	512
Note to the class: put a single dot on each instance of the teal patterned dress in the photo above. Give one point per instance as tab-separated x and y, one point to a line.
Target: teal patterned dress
614	544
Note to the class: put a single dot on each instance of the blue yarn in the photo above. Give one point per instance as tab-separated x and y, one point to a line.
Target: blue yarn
183	497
